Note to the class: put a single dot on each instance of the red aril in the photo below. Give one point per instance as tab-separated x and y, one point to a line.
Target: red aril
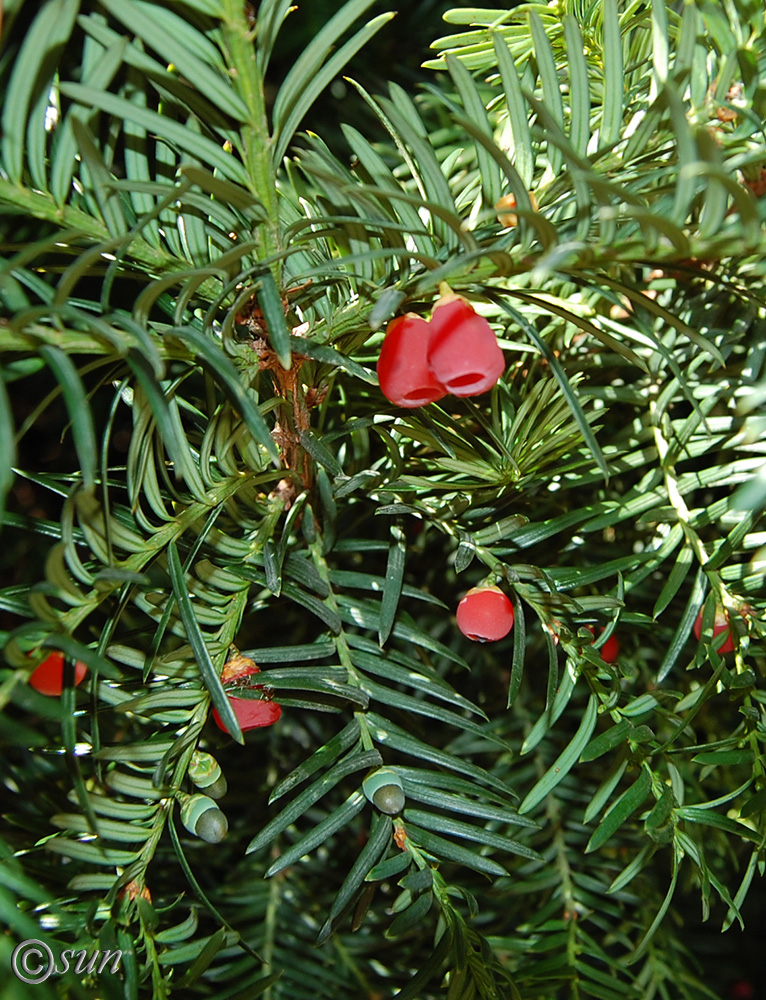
48	678
485	614
464	354
720	624
611	648
251	713
403	372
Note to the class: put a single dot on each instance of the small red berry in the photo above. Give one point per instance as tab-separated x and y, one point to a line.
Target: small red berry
611	648
403	372
743	989
485	614
48	678
251	713
720	624
464	354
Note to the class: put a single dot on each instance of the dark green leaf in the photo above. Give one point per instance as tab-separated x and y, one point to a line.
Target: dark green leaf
742	755
307	798
366	614
321	453
613	737
319	650
272	568
475	110
579	130
624	807
660	916
614	81
210	676
414	989
657	820
523	155
466	550
324	755
445	850
411	917
377	844
320	833
393	585
557	701
46	35
109	203
213	945
185	139
171	36
387	696
274	314
684	627
433	821
390	867
166	414
383	731
676	577
549	77
566	759
326	680
463	804
367	657
563	381
310	74
231	383
519	650
707	817
78	408
7	446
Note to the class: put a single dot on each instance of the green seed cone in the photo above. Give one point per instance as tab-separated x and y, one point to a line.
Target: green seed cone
202	817
205	772
385	790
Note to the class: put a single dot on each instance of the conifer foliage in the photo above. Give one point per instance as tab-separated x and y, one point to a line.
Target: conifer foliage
271	763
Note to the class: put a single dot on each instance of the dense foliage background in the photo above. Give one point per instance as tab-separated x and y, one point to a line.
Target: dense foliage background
208	219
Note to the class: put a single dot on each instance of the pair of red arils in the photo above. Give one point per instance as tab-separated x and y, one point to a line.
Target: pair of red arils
455	352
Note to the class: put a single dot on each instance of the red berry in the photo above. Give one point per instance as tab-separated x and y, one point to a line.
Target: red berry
48	678
485	614
464	354
251	713
743	989
611	648
720	624
403	372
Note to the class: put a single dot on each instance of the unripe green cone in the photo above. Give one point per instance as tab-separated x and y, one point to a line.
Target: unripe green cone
218	788
202	817
385	790
212	826
205	772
